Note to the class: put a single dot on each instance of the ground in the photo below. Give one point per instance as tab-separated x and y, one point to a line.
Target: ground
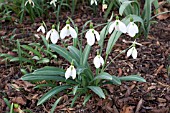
131	97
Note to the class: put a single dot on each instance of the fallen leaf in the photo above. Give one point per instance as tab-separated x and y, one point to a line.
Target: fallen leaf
19	100
139	106
127	109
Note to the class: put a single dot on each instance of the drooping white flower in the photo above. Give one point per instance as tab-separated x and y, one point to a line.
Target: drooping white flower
93	1
53	2
42	28
70	72
30	2
98	61
118	26
53	35
68	30
132	29
132	51
90	36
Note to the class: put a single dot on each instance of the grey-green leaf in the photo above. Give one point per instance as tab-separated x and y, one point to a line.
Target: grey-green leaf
52	92
98	91
132	78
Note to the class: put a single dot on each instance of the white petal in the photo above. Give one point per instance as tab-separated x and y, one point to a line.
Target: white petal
97	35
136	28
129	30
92	2
95	2
38	29
90	38
101	60
134	53
68	73
26	3
122	27
48	34
54	36
64	32
112	26
73	73
43	29
73	32
129	52
96	61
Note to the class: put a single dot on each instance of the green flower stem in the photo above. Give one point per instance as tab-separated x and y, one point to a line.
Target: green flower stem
112	60
104	62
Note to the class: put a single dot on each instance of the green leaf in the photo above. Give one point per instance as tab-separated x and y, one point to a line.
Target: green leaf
52	92
63	52
86	99
132	78
103	34
45	42
97	90
75	90
44	60
75	53
85	55
115	80
7	102
55	104
104	76
31	49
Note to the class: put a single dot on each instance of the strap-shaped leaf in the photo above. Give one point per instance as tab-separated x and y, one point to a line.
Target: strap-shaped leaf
52	92
103	75
132	78
127	3
31	49
115	80
85	55
75	53
63	52
55	104
97	90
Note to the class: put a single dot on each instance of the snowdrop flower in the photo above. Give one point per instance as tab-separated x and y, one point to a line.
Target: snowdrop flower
68	30
53	2
132	51
93	1
91	34
41	28
98	61
70	72
118	26
53	35
132	28
30	2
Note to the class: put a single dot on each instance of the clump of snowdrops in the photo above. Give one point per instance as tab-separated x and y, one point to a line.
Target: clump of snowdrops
78	78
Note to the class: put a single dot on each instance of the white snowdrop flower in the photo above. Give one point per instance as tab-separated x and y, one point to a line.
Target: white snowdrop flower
98	61
30	2
53	35
132	29
53	2
68	30
118	26
70	72
93	1
41	28
132	51
91	34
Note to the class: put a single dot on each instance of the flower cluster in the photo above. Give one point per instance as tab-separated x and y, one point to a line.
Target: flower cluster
131	29
91	35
